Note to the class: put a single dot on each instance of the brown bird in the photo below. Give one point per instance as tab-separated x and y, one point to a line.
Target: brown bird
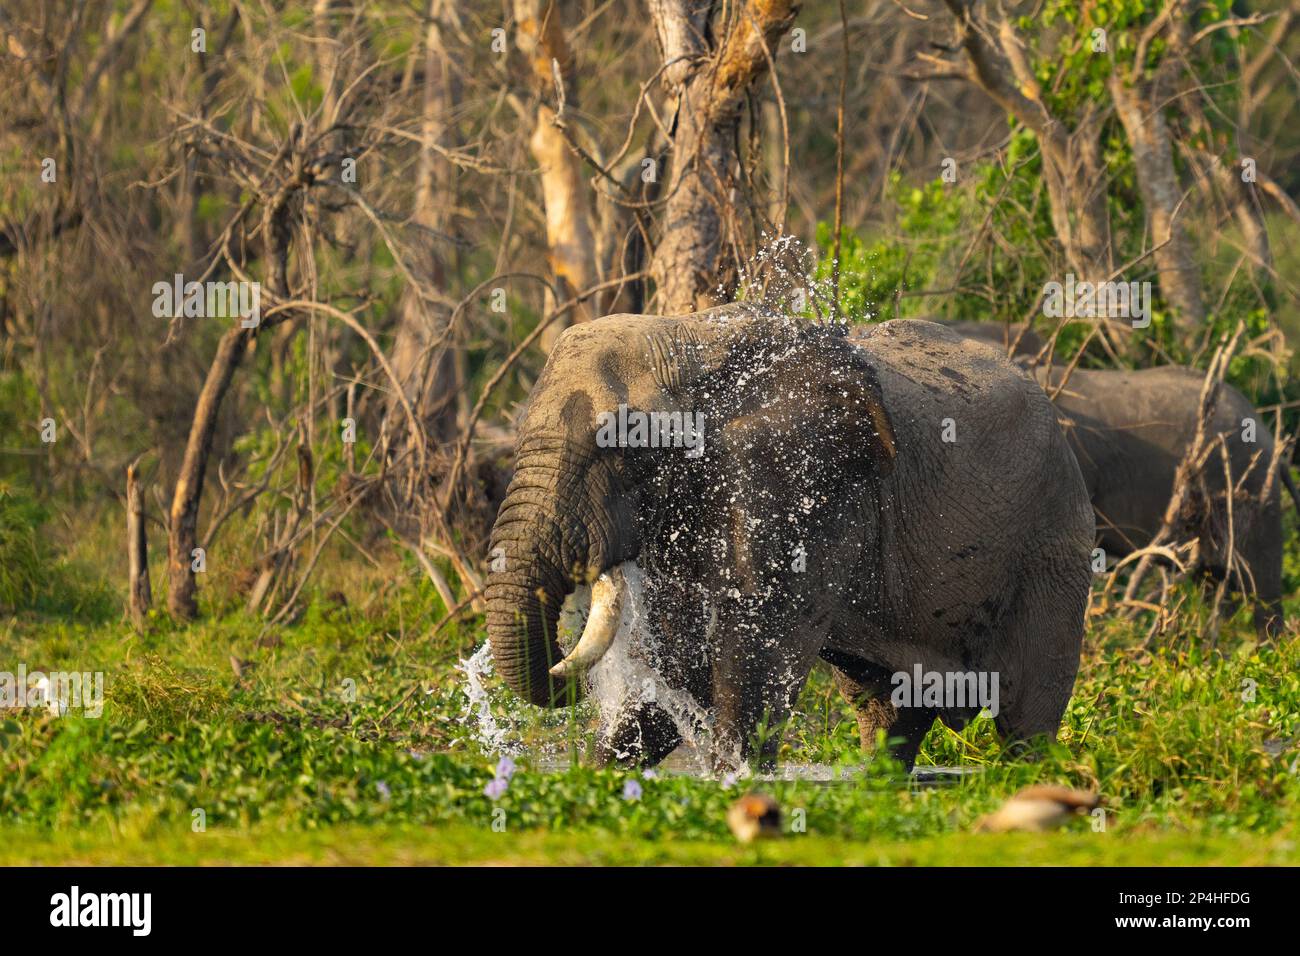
1038	808
754	816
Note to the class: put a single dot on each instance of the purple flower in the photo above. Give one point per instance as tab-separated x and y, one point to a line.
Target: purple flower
385	791
506	768
650	774
631	790
496	788
728	781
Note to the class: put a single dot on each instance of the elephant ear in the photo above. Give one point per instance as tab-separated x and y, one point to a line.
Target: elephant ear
858	409
832	413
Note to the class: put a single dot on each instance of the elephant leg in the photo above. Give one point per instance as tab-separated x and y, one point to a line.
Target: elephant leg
755	684
739	711
642	735
1031	703
866	688
1022	719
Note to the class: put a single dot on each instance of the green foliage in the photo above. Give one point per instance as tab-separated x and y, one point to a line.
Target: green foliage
24	566
1072	68
937	246
33	576
1182	755
937	263
305	88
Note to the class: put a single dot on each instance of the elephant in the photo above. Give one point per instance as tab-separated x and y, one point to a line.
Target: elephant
1130	430
893	501
1017	338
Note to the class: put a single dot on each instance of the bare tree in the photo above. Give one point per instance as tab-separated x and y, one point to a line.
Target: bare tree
1140	100
708	70
570	226
277	181
182	542
1073	170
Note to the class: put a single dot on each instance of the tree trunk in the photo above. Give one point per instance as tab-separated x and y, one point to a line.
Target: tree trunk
140	599
1180	278
710	84
570	225
182	539
427	369
1076	190
622	232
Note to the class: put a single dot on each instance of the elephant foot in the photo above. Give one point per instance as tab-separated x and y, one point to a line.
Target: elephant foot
865	688
904	729
747	730
642	736
729	755
1026	749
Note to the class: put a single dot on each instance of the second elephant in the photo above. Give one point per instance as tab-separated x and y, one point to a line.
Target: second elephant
1130	430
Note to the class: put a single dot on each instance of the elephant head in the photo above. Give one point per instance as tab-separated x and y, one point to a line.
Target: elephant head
580	505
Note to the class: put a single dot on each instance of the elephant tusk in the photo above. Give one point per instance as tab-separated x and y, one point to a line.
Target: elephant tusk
602	625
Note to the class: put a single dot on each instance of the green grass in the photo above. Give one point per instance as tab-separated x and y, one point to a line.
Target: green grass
405	845
1194	748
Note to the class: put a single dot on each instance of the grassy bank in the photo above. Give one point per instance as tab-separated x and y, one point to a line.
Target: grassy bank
404	845
342	738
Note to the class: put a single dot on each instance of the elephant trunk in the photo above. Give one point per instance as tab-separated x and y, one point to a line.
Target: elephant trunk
547	542
522	616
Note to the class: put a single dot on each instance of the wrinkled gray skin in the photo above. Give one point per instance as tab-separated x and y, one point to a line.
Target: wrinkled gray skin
1130	430
1014	338
965	556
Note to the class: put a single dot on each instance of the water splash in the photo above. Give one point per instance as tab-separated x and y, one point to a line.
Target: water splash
779	283
779	280
623	679
488	733
497	719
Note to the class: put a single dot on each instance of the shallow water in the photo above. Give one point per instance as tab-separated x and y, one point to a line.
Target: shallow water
686	762
618	677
